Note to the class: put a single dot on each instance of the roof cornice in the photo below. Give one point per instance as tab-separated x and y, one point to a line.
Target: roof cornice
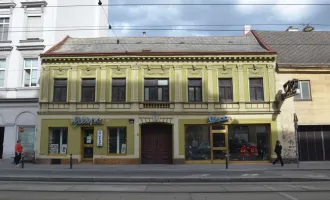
183	58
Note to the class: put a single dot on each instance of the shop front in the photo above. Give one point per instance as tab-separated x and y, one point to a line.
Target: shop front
242	140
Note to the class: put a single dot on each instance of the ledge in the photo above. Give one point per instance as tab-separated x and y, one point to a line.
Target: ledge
6	48
8	5
31	41
30	47
5	42
33	4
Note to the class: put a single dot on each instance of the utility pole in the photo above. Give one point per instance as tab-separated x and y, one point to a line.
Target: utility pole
295	120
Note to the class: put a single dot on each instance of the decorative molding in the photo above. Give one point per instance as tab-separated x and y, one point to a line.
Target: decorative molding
256	71
155	119
118	72
8	5
34	4
6	48
156	71
74	68
177	67
30	47
225	71
135	67
103	67
195	73
270	66
88	72
61	72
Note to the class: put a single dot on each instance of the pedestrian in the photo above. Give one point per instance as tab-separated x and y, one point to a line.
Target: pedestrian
18	153
278	151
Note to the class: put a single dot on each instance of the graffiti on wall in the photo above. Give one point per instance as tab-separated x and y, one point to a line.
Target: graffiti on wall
288	144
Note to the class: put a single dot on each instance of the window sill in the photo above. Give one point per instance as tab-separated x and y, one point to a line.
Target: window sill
114	154
5	42
29	88
302	100
31	41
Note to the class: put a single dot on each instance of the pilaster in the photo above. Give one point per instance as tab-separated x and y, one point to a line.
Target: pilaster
271	81
135	83
103	83
45	86
178	83
210	83
241	85
73	83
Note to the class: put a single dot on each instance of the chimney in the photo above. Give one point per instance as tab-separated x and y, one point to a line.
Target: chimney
291	28
144	33
247	29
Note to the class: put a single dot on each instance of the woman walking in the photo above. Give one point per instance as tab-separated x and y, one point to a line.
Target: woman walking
278	151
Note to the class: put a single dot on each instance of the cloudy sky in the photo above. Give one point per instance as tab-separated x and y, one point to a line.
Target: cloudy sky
151	17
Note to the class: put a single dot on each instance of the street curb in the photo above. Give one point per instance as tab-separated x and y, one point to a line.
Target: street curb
157	180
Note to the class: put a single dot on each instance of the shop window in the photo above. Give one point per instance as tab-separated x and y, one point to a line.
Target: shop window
119	89
249	142
156	90
198	142
195	90
305	91
60	90
256	89
58	141
88	90
225	90
117	141
27	135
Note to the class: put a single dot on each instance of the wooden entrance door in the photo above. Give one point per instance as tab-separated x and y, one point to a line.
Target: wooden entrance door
156	144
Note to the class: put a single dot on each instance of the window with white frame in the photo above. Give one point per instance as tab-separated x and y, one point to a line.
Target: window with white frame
31	72
305	91
34	30
58	141
4	29
2	72
117	141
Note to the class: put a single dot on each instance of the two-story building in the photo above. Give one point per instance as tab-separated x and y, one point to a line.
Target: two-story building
155	100
304	56
27	29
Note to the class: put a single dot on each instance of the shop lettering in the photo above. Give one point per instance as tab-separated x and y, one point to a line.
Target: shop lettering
99	138
214	119
86	121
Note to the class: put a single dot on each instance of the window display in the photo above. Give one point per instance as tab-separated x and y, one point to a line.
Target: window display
249	142
198	142
58	141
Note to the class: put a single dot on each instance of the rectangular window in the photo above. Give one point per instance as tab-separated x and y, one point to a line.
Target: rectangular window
58	141
256	89
60	90
34	30
195	90
156	90
197	142
119	89
88	90
4	29
305	91
117	141
226	90
2	72
31	72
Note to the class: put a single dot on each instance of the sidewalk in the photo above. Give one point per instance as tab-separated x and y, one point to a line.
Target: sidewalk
167	173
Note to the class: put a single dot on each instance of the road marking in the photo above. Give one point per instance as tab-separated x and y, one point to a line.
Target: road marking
281	193
288	196
317	176
198	175
249	175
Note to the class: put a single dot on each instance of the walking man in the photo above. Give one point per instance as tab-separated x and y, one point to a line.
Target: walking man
18	152
278	151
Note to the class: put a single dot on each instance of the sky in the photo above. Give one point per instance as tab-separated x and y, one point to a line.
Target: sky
150	17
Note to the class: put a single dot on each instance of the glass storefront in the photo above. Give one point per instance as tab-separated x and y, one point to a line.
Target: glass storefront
249	142
242	142
27	137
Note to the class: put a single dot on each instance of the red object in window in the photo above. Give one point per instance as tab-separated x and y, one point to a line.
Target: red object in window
244	150
254	150
21	130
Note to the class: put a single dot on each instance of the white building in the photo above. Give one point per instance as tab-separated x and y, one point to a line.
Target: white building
28	28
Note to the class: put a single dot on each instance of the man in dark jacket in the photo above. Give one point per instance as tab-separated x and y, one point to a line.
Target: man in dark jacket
278	151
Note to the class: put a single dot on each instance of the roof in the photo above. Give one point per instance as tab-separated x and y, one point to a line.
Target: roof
159	45
298	48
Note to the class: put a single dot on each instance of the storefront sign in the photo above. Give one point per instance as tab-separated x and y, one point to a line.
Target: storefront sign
86	121
214	119
99	138
291	88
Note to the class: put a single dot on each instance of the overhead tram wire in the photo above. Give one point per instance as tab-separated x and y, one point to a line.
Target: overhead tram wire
187	4
108	20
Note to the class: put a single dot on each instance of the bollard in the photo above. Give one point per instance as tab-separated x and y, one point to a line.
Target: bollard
22	160
70	161
226	161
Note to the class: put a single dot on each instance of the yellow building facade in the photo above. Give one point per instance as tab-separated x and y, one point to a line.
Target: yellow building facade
156	108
